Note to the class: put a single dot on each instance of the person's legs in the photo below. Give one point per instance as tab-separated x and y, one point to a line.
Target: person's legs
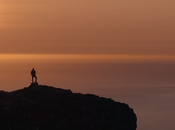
35	78
32	79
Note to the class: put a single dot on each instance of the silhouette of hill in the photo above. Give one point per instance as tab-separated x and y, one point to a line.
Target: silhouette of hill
40	107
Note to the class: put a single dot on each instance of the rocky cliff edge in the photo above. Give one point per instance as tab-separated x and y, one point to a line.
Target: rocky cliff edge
40	107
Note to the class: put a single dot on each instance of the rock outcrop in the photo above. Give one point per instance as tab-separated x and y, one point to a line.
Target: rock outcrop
40	107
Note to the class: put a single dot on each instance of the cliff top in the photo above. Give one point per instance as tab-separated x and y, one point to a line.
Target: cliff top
41	107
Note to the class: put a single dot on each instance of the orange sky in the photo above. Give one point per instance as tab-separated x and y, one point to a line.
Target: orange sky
87	27
125	31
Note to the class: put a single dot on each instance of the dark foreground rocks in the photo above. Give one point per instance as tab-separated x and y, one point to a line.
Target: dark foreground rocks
40	107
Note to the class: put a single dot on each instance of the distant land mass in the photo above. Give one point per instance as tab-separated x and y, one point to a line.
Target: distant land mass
40	107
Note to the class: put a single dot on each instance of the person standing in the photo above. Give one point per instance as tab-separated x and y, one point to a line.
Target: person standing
33	74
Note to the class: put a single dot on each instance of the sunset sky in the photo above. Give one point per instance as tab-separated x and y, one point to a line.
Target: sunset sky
119	49
138	27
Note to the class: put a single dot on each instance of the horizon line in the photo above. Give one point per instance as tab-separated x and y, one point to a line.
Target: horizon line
115	57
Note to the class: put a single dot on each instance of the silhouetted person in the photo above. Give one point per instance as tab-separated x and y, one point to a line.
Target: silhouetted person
33	73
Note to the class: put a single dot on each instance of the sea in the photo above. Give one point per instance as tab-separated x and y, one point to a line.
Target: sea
147	87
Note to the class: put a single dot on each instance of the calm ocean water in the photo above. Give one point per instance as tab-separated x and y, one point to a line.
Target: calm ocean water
148	88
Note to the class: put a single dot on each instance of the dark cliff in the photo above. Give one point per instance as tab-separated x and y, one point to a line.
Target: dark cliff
39	107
